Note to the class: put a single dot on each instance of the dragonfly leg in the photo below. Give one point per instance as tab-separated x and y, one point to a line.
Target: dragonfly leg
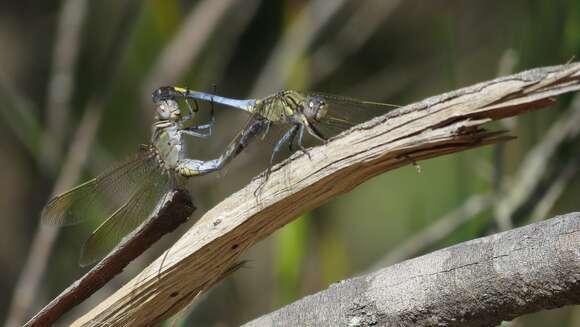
212	116
192	111
193	131
312	130
203	126
292	138
287	136
300	139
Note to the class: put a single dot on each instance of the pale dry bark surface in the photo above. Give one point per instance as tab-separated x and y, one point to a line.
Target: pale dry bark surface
476	283
439	125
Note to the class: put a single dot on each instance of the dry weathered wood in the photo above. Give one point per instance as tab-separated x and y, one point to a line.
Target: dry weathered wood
475	283
436	126
174	211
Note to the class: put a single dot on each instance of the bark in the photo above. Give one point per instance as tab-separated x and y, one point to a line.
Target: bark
437	126
174	211
475	283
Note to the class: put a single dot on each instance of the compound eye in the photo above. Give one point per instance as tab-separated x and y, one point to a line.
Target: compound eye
321	112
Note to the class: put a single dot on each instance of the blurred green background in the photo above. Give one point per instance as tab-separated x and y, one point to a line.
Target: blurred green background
75	84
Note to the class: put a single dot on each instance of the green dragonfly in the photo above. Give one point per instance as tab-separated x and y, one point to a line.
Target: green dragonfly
127	194
320	115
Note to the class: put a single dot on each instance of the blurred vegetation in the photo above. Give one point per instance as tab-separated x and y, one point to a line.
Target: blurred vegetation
383	50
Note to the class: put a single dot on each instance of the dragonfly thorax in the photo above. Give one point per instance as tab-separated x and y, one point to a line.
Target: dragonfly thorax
167	134
280	107
168	144
292	107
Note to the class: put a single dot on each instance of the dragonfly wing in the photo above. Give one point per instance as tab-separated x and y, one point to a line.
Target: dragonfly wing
67	208
128	216
344	112
99	196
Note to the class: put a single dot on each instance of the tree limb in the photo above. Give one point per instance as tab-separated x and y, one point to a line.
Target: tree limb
175	209
439	125
476	283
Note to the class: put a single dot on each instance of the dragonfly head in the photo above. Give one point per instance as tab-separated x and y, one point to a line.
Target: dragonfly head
168	109
165	93
315	108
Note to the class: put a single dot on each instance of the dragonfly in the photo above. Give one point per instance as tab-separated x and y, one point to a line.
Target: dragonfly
127	194
320	115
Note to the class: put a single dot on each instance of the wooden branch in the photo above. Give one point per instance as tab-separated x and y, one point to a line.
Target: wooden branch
439	125
175	210
476	283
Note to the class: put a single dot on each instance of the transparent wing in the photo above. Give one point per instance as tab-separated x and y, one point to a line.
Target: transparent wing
137	208
99	196
344	112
